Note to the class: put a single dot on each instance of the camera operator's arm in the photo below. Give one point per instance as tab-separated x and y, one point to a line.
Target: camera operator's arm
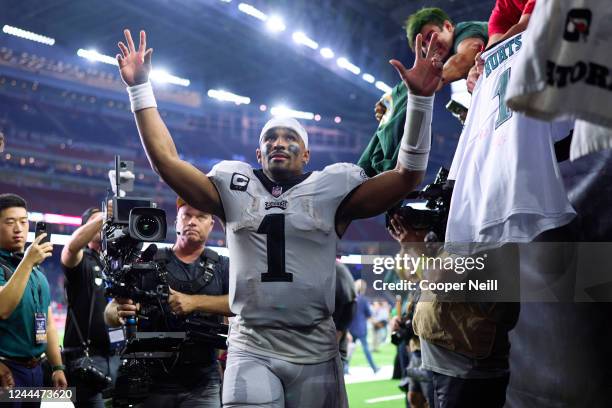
181	303
12	291
117	310
72	253
53	352
185	179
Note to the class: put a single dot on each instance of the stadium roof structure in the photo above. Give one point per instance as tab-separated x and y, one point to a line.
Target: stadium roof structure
217	46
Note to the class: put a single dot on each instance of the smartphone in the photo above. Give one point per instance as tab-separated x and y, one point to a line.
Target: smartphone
41	227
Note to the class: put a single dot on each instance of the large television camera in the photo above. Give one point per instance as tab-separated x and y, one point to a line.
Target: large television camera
137	273
435	215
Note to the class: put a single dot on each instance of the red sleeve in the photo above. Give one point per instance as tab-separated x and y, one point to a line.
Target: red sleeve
529	7
497	21
507	13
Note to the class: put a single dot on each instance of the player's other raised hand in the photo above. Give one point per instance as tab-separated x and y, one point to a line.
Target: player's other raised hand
425	75
134	64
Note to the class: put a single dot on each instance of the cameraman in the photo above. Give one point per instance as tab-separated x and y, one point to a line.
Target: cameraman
193	380
27	328
419	386
86	332
463	336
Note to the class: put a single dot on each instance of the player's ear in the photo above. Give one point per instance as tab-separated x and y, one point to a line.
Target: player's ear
306	157
258	155
449	26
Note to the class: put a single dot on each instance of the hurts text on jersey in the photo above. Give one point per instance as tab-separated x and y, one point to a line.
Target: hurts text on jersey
503	53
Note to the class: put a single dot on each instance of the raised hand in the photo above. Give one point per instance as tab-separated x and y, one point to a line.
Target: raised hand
134	65
424	77
37	252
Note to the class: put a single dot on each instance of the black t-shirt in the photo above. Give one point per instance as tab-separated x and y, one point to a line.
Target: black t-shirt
187	278
82	282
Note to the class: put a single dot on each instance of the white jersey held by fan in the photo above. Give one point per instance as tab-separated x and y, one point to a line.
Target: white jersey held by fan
507	182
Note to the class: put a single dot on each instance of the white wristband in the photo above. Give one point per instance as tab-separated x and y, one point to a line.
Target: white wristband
141	96
416	142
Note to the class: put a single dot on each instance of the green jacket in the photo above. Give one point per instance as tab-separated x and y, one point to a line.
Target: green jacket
381	153
17	336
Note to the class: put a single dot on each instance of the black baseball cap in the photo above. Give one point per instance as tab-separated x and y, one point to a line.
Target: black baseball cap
88	213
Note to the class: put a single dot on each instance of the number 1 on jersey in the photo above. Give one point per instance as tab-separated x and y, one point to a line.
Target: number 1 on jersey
500	90
273	225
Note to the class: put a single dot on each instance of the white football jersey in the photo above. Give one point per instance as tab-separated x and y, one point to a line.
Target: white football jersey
565	69
507	183
282	244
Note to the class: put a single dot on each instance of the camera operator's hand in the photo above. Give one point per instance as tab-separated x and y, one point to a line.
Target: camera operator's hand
37	252
58	378
181	303
6	377
400	230
125	308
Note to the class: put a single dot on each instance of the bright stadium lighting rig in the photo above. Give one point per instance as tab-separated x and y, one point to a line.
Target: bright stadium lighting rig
369	78
161	75
285	111
94	55
28	35
301	38
275	24
252	11
225	96
327	53
349	66
383	87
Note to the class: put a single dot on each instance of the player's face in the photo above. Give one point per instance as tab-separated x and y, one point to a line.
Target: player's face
444	43
282	153
13	228
193	225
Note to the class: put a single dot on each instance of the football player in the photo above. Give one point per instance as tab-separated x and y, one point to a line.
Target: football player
282	225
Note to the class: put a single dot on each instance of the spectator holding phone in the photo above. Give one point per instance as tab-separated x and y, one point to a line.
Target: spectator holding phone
27	329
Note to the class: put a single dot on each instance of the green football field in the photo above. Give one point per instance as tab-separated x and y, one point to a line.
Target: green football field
375	394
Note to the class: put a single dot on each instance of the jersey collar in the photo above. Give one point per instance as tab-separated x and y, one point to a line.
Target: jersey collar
277	189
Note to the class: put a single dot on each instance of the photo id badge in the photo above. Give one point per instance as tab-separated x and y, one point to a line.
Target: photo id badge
116	337
40	328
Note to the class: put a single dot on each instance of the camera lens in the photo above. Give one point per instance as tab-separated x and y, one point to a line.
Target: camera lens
147	226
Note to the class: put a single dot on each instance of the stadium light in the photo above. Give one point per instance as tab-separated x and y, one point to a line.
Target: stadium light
285	111
383	87
369	78
28	35
301	38
349	66
327	53
275	24
94	55
160	75
225	96
252	11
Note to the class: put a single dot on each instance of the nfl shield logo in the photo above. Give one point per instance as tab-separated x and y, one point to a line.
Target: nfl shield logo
277	191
